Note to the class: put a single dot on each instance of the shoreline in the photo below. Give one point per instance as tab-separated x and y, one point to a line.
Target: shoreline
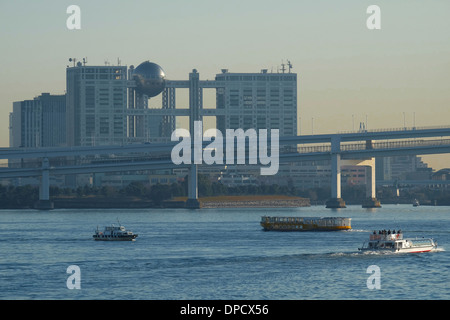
248	201
252	201
256	204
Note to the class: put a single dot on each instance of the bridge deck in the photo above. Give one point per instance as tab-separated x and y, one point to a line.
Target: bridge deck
65	160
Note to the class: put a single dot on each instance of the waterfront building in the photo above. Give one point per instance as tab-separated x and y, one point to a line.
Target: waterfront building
109	105
96	105
39	122
405	167
441	175
301	175
258	100
147	81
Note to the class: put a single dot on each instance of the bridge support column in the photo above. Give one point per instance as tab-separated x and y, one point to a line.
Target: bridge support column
44	202
371	200
336	201
192	201
195	103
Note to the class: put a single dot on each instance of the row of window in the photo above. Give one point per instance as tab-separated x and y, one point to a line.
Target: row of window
272	77
102	77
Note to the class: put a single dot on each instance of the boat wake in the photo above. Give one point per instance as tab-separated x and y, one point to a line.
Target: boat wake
358	230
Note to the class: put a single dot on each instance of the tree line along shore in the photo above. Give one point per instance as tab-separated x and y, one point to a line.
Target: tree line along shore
138	195
211	194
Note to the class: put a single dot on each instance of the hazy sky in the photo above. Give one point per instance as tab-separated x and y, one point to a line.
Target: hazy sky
346	72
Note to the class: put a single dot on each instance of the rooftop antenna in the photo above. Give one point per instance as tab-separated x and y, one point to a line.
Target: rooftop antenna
283	68
74	61
289	66
84	61
118	61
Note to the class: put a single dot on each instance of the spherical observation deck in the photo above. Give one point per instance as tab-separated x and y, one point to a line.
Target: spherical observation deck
150	79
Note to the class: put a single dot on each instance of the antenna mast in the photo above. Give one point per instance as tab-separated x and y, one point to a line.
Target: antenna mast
283	68
74	61
289	66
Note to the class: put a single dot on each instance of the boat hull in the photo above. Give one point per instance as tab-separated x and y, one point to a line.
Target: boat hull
305	224
403	250
302	227
109	238
114	233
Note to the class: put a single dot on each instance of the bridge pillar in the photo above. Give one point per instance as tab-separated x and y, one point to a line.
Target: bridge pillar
195	103
192	201
336	201
371	200
44	202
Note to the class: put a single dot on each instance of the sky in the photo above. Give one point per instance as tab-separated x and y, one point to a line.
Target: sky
388	78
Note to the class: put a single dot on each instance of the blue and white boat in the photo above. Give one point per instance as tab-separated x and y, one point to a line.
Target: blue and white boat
114	233
394	242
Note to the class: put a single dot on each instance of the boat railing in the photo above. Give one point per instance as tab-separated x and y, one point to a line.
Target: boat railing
386	237
421	242
328	221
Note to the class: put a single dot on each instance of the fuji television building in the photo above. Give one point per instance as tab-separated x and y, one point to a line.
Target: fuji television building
109	105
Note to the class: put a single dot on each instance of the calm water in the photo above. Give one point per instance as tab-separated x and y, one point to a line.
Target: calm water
218	254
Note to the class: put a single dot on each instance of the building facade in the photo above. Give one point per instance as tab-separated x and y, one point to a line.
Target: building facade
405	167
40	122
105	104
96	105
258	100
108	105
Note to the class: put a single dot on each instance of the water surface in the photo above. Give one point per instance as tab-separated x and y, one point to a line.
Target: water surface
218	254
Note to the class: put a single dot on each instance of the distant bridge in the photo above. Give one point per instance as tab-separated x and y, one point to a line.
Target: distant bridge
358	148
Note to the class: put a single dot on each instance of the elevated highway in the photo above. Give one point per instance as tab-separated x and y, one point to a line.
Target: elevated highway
359	148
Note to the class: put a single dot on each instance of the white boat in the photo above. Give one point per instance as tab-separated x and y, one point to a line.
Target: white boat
416	203
113	233
394	242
